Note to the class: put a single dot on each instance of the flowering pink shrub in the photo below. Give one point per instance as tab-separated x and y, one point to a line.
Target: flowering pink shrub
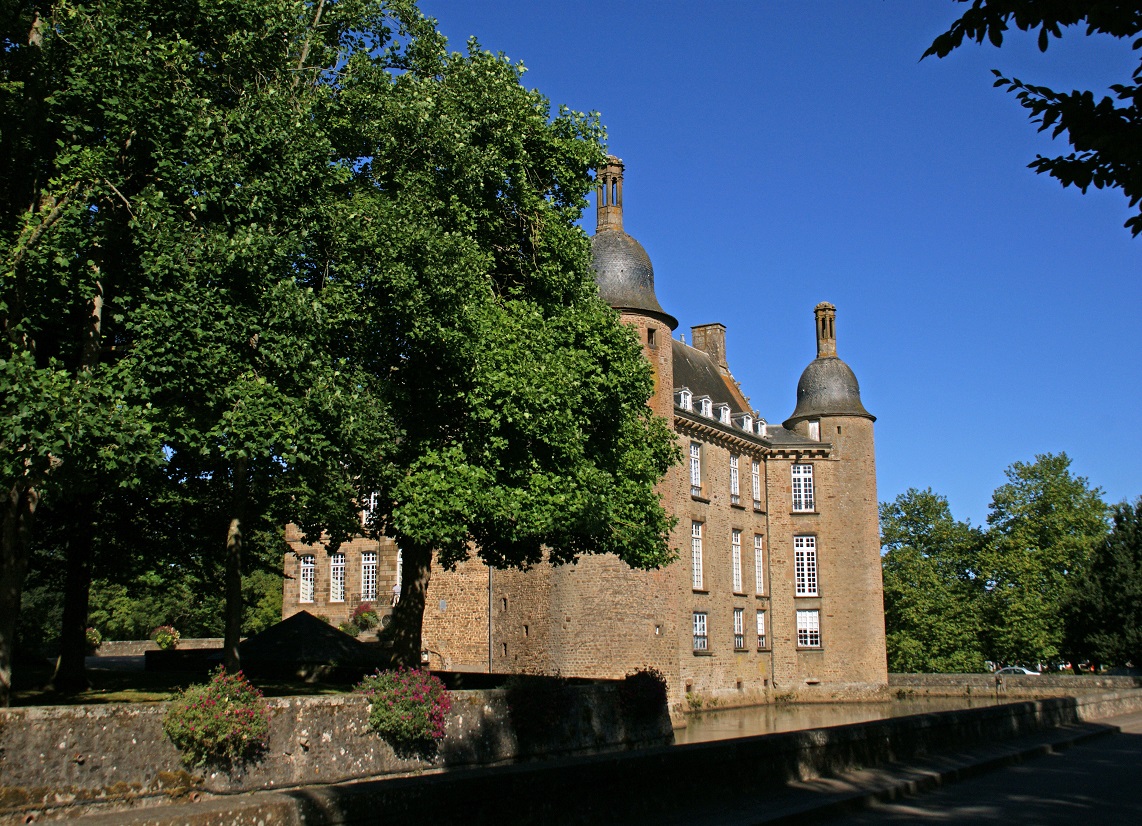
223	723
166	637
364	617
408	708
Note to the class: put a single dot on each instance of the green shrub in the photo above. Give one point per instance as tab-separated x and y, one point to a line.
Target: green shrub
349	628
94	639
224	723
166	637
408	708
643	693
365	617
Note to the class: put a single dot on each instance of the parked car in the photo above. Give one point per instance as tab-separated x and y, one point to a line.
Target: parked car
1017	669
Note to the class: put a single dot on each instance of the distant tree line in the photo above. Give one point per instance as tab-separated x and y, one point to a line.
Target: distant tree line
1054	577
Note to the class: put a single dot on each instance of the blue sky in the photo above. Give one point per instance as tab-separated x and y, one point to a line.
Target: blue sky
779	154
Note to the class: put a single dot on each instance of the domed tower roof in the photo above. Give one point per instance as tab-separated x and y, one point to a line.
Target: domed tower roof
622	268
828	386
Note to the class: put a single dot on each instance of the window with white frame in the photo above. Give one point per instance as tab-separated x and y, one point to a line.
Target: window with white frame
695	469
755	483
706	407
805	565
736	558
685	399
337	577
308	577
696	555
761	646
724	413
808	628
739	629
735	485
758	564
815	430
747	423
701	639
369	576
370	508
802	488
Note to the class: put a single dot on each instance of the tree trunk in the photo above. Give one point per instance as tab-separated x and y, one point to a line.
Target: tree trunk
15	538
71	669
233	634
408	615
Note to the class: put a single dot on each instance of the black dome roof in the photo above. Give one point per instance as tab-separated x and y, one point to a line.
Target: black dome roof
625	275
828	387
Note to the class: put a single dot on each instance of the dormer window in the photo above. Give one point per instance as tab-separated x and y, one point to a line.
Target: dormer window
761	425
685	399
706	406
724	413
746	422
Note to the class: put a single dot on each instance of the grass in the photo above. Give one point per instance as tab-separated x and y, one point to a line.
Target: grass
110	685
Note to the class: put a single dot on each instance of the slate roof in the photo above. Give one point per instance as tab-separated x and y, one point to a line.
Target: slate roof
625	275
697	371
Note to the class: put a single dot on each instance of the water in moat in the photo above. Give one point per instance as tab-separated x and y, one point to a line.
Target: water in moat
726	724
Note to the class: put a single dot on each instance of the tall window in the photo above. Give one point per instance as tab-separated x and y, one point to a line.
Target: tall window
337	577
739	629
808	628
815	430
802	487
370	508
761	630
701	640
695	469
735	488
696	555
736	556
308	577
369	576
758	564
755	483
805	565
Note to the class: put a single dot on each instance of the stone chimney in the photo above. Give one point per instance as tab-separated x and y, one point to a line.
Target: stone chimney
609	191
711	340
826	315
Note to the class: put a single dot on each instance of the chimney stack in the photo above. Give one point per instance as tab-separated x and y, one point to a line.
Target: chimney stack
609	190
826	315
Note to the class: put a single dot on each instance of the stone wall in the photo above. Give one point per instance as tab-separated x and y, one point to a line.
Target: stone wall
81	757
645	786
1007	685
137	648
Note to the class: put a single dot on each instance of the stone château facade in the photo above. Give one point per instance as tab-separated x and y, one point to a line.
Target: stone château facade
777	590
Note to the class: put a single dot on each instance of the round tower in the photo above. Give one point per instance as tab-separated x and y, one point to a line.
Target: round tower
829	409
626	282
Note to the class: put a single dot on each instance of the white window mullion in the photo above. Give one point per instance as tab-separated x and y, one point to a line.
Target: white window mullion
696	555
736	556
758	564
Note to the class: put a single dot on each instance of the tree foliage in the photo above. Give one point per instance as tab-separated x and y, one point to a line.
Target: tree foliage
264	258
1106	132
1042	527
931	599
1103	610
956	596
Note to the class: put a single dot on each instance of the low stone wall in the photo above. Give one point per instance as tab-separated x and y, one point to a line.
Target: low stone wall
1010	686
642	786
82	757
136	648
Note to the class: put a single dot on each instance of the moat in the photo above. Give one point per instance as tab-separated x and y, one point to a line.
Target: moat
726	724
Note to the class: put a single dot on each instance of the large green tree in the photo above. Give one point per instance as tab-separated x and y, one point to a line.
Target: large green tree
1105	132
931	595
1103	609
519	400
318	257
1043	524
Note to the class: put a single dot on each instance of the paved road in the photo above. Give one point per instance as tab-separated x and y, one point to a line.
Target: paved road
1098	782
